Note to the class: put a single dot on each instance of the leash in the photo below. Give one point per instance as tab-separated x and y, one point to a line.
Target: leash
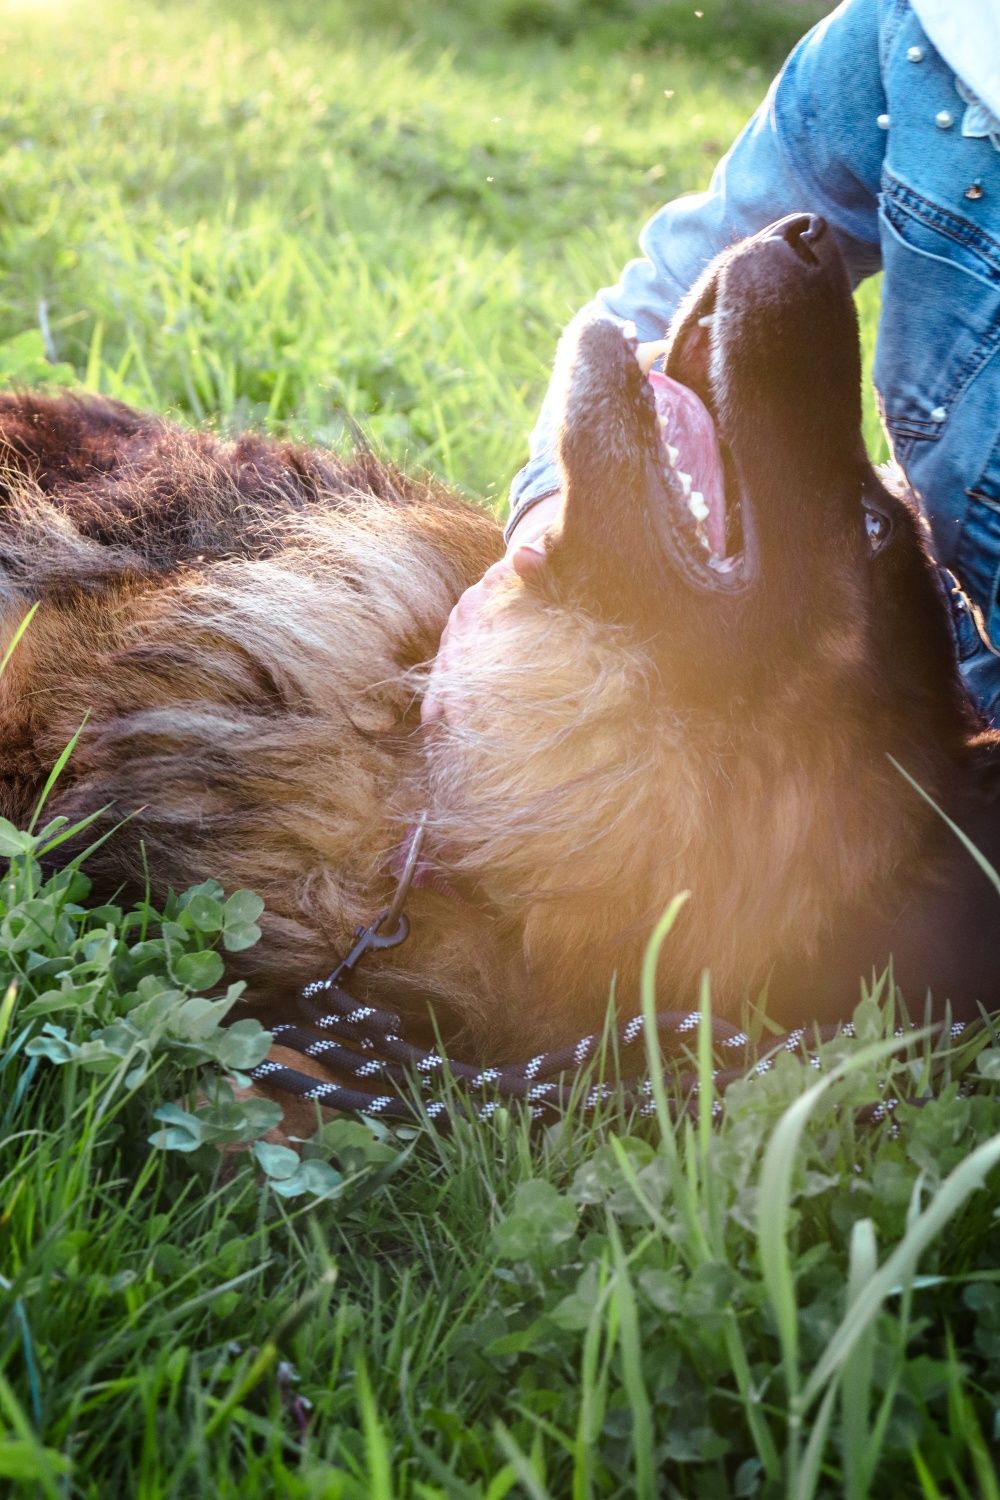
368	1046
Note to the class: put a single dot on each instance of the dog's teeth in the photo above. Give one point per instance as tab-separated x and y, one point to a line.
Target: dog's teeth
648	354
673	454
706	321
685	480
697	506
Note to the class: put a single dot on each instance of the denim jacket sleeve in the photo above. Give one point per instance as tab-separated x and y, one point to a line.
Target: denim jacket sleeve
813	144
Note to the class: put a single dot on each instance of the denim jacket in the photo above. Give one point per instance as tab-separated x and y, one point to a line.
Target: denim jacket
867	125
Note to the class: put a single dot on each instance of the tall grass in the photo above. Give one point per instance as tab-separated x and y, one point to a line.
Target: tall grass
272	215
777	1302
304	218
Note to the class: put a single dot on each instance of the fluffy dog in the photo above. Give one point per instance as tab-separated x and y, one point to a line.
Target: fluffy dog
702	685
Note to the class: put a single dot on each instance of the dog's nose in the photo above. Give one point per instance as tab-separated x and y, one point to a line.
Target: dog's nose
803	232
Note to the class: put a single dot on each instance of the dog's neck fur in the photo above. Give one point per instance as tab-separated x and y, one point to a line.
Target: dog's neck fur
568	798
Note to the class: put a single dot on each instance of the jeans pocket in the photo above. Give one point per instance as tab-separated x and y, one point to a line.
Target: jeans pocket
939	327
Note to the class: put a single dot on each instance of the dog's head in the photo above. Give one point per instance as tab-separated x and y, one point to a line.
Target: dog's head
727	507
699	680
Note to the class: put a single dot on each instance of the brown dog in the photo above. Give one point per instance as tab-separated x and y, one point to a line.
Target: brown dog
692	690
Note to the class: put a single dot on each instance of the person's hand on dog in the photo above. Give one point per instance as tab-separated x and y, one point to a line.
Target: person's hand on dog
470	618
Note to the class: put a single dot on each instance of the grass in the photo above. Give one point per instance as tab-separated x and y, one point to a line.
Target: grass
303	218
298	219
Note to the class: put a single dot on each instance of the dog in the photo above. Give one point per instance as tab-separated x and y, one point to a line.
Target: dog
709	681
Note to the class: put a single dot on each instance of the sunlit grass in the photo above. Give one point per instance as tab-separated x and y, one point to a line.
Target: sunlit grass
301	217
255	221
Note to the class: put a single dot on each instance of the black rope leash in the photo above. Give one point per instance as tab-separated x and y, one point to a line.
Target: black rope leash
368	1046
543	1083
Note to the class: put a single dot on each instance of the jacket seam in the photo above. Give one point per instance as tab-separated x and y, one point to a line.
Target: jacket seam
898	11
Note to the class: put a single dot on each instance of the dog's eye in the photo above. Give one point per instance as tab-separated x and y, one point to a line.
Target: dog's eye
878	528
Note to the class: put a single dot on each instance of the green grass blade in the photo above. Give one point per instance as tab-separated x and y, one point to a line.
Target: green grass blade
773	1219
967	1178
654	1061
635	1386
57	769
856	1376
959	833
807	1477
378	1455
16	638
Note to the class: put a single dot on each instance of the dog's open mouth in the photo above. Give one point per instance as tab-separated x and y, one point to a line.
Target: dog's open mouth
706	506
700	444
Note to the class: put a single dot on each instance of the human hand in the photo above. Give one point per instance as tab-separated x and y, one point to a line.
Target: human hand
470	619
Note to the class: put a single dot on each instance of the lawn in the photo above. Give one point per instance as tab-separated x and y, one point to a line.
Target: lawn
309	217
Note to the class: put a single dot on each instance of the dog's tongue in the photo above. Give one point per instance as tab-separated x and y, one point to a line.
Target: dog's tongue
687	428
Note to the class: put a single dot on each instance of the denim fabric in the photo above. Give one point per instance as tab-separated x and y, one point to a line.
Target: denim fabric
978	658
864	125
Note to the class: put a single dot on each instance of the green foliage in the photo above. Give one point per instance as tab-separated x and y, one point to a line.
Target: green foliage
118	994
754	30
25	361
782	1303
303	216
124	985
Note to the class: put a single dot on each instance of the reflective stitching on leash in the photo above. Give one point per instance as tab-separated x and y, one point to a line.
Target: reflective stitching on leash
372	1042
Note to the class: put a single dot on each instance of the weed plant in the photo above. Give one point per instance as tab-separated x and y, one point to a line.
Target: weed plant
781	1303
305	218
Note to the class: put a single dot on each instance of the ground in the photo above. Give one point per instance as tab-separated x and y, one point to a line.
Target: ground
307	217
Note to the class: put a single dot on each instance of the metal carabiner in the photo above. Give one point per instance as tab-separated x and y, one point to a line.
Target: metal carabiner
394	910
372	937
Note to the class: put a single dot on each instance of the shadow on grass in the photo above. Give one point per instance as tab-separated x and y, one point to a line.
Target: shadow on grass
749	31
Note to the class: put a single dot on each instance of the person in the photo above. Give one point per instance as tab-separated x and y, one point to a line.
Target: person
885	120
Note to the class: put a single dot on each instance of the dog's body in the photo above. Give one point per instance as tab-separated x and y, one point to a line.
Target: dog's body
239	624
235	624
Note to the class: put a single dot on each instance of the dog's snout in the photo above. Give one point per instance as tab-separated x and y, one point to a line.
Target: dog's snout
803	233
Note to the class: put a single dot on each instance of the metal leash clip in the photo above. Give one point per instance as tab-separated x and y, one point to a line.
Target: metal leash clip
392	916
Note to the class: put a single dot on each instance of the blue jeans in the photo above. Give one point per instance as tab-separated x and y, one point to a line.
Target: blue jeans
978	659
